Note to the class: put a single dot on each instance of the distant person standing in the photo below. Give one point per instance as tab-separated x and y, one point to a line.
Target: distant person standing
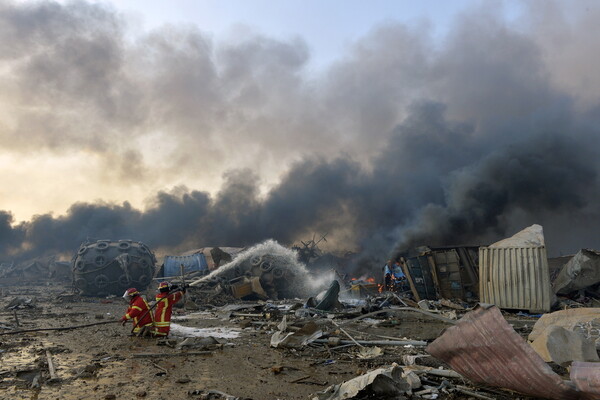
387	275
399	276
397	271
138	312
166	297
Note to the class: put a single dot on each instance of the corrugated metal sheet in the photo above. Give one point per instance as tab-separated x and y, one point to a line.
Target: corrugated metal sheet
515	277
586	377
483	347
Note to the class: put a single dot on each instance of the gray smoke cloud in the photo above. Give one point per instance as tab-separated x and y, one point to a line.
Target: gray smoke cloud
404	141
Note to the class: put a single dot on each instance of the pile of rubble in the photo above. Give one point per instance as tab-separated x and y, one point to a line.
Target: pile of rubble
265	271
42	269
481	354
473	323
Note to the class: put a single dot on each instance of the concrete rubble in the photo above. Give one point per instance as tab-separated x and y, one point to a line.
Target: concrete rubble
262	327
584	321
561	346
580	272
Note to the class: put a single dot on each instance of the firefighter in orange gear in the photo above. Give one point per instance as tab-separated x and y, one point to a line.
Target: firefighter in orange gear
139	312
166	297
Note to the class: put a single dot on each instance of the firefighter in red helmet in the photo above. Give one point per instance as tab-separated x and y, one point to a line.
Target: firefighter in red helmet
166	297
138	312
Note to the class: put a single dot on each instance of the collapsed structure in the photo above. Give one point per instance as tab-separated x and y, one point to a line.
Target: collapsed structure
512	273
481	343
443	272
40	269
264	271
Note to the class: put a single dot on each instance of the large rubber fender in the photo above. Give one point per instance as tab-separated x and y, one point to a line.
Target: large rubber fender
98	272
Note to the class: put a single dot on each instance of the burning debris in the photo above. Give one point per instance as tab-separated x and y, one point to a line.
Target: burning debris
322	334
108	267
403	172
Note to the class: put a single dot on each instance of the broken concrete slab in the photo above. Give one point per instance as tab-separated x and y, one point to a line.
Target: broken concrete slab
581	271
561	346
586	321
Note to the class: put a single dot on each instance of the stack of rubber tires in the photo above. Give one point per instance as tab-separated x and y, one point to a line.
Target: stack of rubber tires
110	267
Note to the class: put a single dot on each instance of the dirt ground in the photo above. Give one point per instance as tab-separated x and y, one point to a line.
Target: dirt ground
99	362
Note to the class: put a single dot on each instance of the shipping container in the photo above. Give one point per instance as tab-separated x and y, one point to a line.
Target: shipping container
515	278
443	272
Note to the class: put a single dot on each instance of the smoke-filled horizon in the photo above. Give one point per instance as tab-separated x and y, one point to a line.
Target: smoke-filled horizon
404	141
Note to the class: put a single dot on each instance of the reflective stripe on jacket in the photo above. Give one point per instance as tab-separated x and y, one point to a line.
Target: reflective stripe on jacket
164	309
138	308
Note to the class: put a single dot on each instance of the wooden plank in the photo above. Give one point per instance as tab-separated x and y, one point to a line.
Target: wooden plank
410	280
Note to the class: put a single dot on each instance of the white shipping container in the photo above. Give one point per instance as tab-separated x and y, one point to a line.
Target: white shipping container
515	278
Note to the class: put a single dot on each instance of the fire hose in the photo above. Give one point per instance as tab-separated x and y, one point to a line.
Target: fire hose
65	328
62	328
176	289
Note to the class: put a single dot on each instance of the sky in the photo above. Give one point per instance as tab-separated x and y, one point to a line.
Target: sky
326	31
385	124
328	27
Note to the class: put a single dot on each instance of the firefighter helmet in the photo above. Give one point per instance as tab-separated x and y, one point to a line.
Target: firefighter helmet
129	293
164	286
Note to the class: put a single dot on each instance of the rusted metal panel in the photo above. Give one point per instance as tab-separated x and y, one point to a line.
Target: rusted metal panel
457	277
445	272
515	278
483	347
421	277
586	377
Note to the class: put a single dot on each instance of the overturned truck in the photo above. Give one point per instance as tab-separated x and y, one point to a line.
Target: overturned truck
108	267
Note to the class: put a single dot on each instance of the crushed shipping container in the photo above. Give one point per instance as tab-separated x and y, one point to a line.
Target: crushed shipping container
514	274
442	272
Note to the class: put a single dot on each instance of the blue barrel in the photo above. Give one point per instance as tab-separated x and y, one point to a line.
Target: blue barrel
191	263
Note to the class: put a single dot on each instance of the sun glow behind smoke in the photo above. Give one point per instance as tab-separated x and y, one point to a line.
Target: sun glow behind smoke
432	143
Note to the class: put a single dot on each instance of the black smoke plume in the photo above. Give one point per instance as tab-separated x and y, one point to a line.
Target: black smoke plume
405	141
